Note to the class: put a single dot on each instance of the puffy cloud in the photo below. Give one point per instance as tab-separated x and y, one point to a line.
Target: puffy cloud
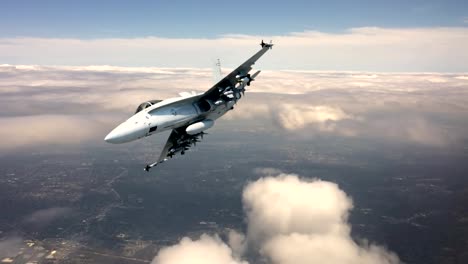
299	248
44	217
10	246
206	250
249	110
237	242
293	116
17	249
289	221
286	205
410	128
25	131
292	220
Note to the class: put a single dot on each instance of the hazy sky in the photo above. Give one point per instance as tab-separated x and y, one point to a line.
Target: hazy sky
381	36
207	19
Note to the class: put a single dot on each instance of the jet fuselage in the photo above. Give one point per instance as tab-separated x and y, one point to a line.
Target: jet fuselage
169	114
187	116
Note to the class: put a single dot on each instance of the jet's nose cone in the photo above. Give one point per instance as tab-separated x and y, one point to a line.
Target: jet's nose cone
126	132
112	137
120	134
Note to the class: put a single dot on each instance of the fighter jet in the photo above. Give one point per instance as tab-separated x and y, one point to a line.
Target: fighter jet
189	115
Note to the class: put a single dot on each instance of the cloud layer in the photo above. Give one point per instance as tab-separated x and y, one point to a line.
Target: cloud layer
289	221
39	130
44	217
365	48
74	105
293	116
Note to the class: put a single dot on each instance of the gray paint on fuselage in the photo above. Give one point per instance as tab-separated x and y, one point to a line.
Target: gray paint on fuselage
183	113
173	116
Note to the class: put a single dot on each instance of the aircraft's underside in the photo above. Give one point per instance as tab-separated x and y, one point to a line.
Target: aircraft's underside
180	141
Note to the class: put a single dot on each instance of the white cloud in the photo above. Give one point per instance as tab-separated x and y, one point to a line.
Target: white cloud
285	205
10	246
18	249
46	129
43	217
298	248
294	116
289	221
366	48
237	243
295	221
410	128
206	250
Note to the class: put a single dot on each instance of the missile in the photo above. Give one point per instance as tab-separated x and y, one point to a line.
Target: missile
255	75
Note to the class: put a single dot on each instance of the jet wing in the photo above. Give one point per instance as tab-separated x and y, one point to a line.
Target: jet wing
169	143
233	78
178	142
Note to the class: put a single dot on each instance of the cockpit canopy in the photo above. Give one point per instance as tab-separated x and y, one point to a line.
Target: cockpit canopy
146	105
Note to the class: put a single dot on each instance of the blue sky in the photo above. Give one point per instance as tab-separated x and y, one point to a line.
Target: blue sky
207	19
361	35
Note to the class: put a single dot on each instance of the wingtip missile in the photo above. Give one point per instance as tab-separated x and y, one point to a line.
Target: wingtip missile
149	166
255	74
268	45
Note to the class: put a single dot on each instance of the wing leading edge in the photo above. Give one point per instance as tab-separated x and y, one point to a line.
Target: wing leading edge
232	78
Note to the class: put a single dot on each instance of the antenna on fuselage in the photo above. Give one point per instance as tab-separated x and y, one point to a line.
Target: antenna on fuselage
217	73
